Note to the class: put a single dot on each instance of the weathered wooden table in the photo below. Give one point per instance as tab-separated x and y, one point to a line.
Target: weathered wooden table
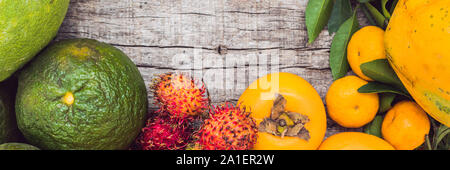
227	43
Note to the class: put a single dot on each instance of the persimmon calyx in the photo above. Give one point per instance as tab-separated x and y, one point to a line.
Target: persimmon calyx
284	123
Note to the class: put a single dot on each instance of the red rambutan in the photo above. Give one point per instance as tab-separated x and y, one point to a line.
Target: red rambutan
164	133
179	95
228	128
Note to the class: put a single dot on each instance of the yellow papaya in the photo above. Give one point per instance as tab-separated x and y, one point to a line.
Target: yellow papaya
417	42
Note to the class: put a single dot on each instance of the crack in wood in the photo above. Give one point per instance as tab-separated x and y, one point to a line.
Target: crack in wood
195	13
209	48
279	66
249	13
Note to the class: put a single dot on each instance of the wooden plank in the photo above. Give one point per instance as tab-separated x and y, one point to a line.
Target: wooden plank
227	43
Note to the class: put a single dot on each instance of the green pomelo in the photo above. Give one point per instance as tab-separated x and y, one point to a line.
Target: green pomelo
26	27
81	94
17	146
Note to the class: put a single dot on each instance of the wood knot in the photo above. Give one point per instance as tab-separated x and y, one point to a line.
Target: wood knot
222	49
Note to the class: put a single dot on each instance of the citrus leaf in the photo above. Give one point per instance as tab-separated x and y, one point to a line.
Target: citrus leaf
442	132
379	18
386	100
342	10
393	4
317	14
385	11
374	127
368	15
445	144
338	52
380	70
376	87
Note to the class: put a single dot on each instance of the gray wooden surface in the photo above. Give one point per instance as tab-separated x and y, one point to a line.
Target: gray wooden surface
227	43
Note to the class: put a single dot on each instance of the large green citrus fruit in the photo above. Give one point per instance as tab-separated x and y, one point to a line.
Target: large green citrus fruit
81	94
17	146
26	27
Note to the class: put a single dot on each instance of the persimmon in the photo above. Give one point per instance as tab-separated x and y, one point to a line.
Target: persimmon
354	141
288	111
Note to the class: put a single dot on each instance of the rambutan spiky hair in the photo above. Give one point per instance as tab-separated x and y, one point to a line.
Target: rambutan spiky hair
228	128
180	95
164	133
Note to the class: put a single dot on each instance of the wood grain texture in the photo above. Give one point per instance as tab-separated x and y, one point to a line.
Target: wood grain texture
227	43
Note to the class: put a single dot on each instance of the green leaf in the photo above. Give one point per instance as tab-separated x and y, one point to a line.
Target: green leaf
338	52
445	144
379	18
386	100
393	4
317	15
368	15
383	8
380	70
376	87
363	1
374	127
442	132
342	10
